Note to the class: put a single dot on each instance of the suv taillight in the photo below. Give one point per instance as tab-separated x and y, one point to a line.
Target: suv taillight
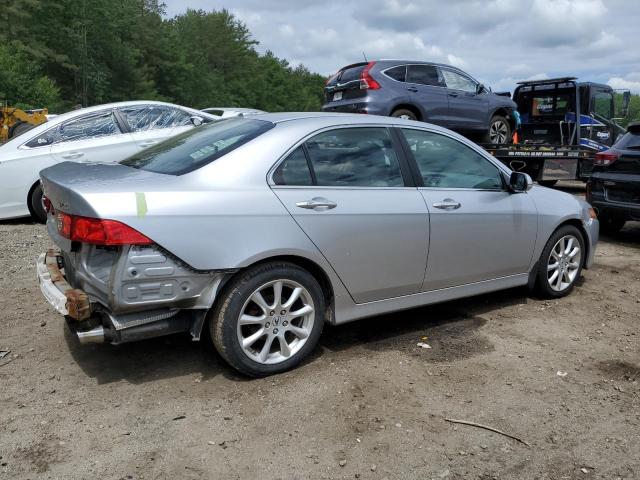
98	231
366	80
604	159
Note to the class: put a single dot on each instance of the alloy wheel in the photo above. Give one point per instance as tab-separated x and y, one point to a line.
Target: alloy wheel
498	132
275	321
564	263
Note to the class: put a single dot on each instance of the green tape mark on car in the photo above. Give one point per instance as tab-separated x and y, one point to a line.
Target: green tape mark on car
141	204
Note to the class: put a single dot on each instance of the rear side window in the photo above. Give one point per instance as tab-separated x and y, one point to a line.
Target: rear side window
85	128
354	157
152	117
43	140
294	170
448	163
423	75
397	73
197	147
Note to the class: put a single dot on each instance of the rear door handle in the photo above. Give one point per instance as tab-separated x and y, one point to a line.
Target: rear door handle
412	89
447	204
317	203
452	94
148	143
72	155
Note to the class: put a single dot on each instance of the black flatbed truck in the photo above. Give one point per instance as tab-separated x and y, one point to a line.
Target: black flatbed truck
563	124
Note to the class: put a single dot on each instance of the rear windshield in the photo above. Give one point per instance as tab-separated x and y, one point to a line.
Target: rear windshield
197	147
629	140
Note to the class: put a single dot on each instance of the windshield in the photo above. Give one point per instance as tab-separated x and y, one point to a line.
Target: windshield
197	147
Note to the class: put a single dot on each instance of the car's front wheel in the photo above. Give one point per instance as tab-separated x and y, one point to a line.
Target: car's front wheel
561	262
268	319
499	131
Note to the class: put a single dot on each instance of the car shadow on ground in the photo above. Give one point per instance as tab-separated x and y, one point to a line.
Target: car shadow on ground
451	329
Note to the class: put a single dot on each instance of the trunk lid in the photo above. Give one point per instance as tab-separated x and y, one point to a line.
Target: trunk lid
345	85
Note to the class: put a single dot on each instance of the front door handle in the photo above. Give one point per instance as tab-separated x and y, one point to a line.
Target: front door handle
72	155
447	204
317	203
452	94
412	89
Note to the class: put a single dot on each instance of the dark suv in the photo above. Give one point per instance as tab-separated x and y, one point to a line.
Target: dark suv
614	186
429	92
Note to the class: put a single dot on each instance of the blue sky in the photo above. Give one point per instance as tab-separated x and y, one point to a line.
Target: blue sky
497	41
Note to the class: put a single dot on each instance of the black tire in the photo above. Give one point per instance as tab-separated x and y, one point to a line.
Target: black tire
35	204
19	128
547	183
610	224
404	113
499	131
542	278
224	318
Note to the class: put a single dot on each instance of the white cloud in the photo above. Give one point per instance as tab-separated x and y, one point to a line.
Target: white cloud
631	81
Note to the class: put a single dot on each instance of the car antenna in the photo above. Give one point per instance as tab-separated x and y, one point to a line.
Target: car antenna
365	57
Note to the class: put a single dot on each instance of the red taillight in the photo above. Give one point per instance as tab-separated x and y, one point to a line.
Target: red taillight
98	231
47	204
366	80
606	158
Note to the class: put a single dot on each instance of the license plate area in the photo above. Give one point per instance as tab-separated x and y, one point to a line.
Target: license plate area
337	96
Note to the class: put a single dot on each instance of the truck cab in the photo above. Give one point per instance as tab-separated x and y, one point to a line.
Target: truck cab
563	124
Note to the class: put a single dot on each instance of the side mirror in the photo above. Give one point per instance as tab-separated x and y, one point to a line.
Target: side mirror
520	182
479	89
196	121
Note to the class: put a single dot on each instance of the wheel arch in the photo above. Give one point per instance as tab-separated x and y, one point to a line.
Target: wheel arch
506	113
585	237
408	106
307	264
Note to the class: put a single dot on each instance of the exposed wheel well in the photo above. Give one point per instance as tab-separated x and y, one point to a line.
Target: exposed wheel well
313	268
506	114
407	106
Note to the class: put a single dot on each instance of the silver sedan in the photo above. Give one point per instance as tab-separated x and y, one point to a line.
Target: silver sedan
259	230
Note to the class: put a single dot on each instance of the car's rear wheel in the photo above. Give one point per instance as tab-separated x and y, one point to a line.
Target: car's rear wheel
404	114
561	262
611	224
268	319
499	131
36	205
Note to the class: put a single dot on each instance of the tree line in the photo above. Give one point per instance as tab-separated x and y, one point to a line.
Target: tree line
87	52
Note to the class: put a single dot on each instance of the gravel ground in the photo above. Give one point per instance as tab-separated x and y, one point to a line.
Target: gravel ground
561	375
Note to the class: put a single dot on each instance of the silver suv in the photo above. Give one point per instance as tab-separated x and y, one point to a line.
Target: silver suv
428	92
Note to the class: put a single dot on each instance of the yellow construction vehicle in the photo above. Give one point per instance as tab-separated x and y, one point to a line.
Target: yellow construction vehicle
14	121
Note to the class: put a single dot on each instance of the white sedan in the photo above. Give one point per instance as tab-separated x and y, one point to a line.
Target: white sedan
104	133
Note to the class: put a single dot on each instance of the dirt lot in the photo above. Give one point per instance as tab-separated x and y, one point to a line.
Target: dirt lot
564	376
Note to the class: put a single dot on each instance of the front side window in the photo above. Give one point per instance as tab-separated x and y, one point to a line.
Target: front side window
602	103
354	157
294	170
423	75
44	139
88	127
447	163
198	147
153	117
456	81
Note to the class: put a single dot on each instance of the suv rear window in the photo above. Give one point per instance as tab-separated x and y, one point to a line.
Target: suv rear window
351	73
629	140
198	147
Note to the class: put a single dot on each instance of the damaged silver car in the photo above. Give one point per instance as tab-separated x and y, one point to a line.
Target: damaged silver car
259	230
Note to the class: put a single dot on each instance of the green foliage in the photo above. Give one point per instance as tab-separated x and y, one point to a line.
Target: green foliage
633	114
96	51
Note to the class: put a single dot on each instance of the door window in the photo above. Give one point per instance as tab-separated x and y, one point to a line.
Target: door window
153	117
398	73
88	127
43	140
447	163
458	82
602	105
294	170
423	75
354	157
